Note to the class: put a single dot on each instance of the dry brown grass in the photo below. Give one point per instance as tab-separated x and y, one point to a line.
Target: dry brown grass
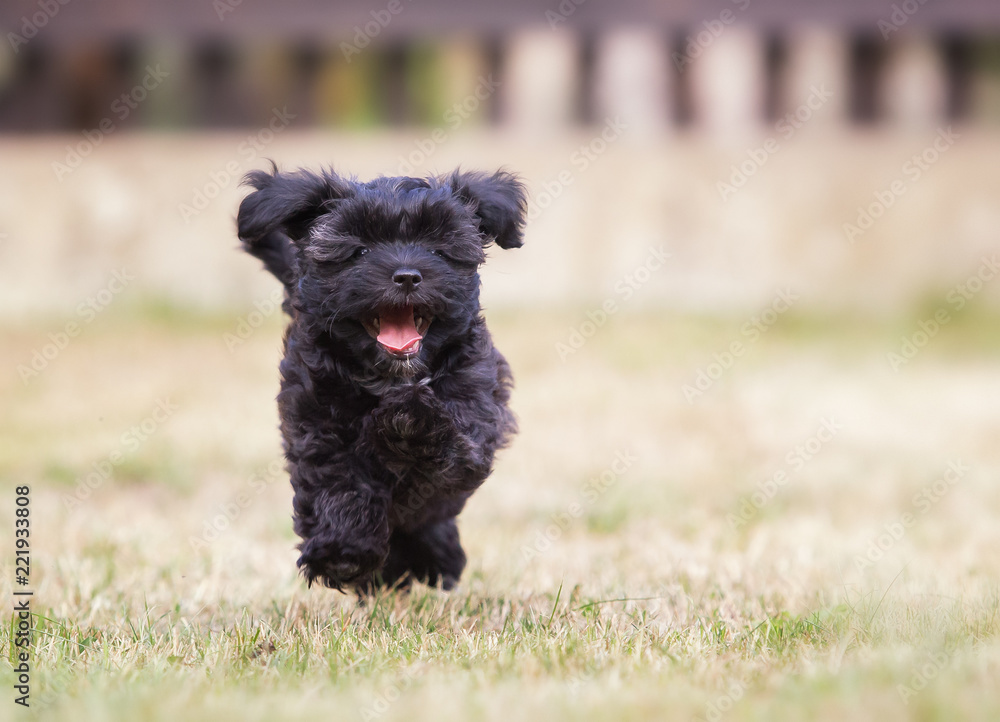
646	605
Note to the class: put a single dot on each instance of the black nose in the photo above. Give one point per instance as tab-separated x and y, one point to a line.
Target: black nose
407	278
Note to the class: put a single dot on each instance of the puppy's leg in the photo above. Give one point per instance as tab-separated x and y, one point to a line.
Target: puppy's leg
413	428
431	554
345	533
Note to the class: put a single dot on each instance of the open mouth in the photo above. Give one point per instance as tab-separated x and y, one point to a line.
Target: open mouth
399	329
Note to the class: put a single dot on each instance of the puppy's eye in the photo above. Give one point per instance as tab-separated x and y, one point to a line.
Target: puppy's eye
436	252
360	252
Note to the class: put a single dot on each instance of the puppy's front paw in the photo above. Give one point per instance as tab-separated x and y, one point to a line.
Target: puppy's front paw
335	566
411	421
415	398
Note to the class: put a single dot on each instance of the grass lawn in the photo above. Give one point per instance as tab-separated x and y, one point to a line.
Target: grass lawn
812	536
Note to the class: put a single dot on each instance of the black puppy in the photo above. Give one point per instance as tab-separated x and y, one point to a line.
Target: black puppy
393	398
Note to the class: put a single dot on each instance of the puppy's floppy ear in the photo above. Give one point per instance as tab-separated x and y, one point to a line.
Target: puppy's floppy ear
286	202
499	202
276	217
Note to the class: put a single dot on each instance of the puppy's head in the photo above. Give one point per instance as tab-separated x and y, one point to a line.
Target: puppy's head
389	268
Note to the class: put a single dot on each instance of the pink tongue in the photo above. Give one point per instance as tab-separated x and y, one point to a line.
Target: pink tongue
397	331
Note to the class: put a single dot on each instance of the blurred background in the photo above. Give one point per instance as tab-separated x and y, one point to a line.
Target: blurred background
747	137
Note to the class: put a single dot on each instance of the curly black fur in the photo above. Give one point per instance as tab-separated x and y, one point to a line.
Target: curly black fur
384	447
